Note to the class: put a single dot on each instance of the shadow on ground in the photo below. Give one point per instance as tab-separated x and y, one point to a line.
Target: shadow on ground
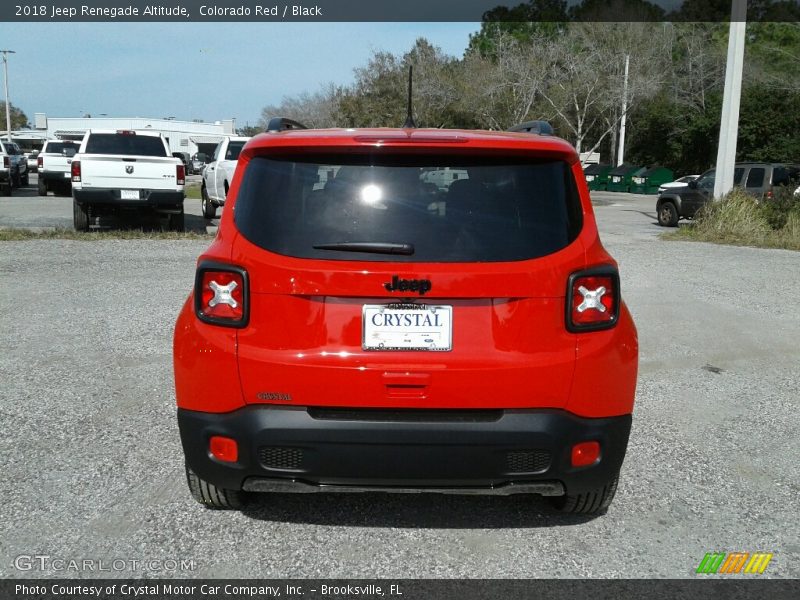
415	511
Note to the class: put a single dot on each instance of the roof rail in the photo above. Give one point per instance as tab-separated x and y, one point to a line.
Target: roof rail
538	127
283	124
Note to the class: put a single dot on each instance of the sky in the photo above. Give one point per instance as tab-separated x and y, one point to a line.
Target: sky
208	71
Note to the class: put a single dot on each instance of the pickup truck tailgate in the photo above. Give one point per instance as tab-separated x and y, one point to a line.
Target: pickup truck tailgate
129	172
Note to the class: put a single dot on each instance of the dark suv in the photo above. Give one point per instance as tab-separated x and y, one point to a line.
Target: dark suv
758	179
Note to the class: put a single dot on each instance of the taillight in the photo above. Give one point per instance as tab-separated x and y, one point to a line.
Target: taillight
6	162
76	170
221	294
40	162
593	299
181	174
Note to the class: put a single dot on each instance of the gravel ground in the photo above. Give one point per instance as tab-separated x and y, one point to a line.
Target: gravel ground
91	465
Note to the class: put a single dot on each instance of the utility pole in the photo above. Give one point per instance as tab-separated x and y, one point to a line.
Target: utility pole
5	84
621	151
729	124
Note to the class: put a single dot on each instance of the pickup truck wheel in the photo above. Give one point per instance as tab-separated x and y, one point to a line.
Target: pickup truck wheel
211	496
177	221
209	210
80	216
25	179
589	503
7	188
42	187
668	214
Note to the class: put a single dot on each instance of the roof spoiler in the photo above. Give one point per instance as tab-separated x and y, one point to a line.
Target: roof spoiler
283	124
537	127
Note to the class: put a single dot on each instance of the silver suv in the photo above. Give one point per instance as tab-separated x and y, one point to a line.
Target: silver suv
758	179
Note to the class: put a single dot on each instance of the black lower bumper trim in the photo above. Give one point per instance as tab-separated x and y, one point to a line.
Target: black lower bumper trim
264	484
113	197
287	448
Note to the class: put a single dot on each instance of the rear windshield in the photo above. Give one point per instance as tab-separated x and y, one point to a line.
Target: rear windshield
59	147
786	176
438	209
234	148
130	145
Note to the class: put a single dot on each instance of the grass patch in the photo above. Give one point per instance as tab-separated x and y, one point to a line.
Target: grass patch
192	191
741	220
61	233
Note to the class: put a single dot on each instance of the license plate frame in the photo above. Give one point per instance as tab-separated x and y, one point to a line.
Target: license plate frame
129	194
416	334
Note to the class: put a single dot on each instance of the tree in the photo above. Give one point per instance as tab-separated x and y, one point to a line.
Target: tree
318	110
18	118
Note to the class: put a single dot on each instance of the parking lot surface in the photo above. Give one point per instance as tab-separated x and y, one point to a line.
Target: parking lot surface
91	464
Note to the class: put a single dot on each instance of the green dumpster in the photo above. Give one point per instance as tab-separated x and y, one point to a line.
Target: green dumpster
597	176
649	181
619	179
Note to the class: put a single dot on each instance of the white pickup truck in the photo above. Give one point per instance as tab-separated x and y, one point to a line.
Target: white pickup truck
123	172
218	174
54	166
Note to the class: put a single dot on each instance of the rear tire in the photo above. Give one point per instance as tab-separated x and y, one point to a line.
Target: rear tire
25	179
589	503
668	214
7	188
42	187
209	210
211	496
80	216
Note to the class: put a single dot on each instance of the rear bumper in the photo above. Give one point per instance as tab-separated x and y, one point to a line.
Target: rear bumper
112	197
55	176
299	449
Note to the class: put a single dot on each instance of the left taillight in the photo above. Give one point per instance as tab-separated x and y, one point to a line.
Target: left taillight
6	162
181	174
593	299
221	295
76	170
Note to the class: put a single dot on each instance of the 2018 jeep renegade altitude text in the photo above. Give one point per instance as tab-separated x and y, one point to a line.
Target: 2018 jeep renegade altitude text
355	326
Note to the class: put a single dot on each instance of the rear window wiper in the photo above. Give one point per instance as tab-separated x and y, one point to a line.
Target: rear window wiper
371	247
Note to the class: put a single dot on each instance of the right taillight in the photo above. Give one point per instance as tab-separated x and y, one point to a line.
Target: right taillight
39	162
593	299
76	170
221	294
180	174
6	162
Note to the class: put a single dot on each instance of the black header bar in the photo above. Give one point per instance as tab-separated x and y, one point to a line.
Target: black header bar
389	10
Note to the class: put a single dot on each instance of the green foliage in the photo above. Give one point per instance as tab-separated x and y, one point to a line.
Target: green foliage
741	220
18	118
777	210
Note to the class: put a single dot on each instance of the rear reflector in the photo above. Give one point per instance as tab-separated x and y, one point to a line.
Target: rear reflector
76	170
585	454
221	295
593	299
223	448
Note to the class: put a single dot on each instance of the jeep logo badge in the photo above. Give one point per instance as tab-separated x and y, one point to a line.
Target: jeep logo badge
129	169
408	285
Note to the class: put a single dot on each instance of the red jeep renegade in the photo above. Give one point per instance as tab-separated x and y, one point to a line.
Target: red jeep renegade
406	310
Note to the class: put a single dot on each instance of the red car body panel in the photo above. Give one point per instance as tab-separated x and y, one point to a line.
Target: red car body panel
302	345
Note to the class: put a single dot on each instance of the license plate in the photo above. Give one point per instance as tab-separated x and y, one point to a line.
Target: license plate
129	194
67	175
407	327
